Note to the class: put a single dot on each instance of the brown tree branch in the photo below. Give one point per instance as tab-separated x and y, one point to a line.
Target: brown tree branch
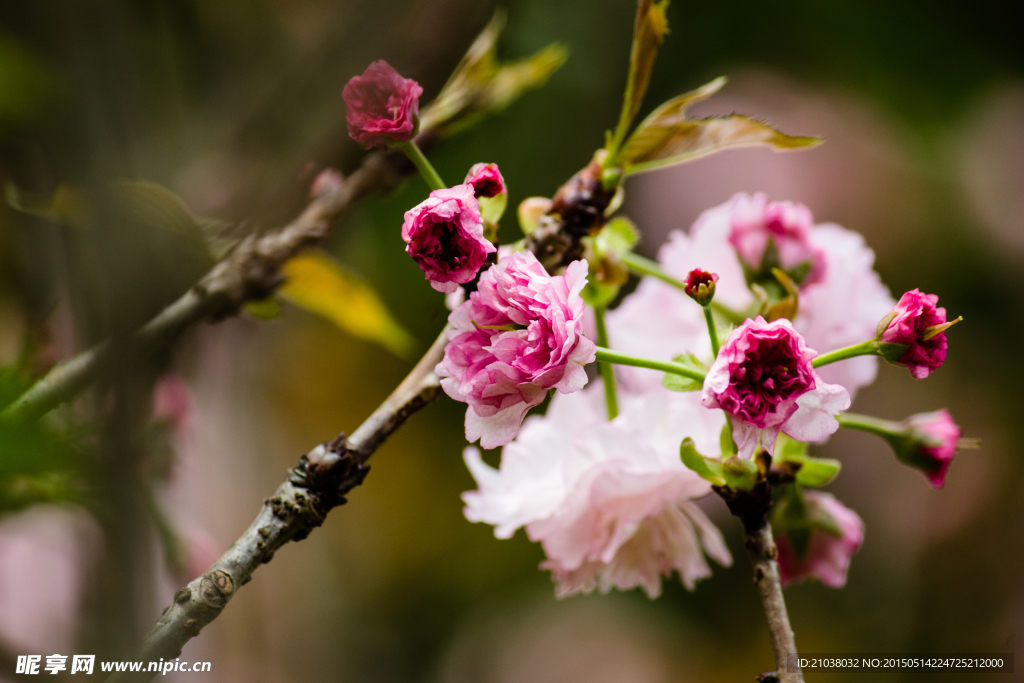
249	273
316	486
761	547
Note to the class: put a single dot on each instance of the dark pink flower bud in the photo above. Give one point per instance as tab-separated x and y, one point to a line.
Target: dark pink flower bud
445	236
763	378
830	547
518	335
383	107
928	442
486	180
700	286
918	324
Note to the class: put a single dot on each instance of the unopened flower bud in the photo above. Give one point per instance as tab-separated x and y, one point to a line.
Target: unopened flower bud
489	189
913	334
928	442
700	286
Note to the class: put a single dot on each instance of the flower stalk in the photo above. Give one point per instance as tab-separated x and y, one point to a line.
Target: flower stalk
606	355
419	159
611	398
867	348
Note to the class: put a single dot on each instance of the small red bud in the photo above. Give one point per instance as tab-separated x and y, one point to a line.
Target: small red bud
700	286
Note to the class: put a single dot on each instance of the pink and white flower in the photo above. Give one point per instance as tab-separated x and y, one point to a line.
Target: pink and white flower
828	554
838	309
444	234
518	335
764	380
610	502
911	318
382	107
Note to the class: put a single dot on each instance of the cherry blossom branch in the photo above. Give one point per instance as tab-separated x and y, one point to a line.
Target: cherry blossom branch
314	487
761	548
605	355
644	266
250	272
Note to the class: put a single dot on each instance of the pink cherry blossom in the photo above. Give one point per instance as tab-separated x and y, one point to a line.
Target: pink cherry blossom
756	222
486	180
518	335
912	315
445	236
764	380
935	437
828	556
382	107
610	502
840	309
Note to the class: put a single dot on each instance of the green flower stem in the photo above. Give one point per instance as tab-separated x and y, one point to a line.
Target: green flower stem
868	348
417	157
871	425
606	355
712	329
644	266
611	399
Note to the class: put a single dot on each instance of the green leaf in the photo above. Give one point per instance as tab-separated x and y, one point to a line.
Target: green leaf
817	471
618	235
265	309
725	439
709	469
320	285
598	294
674	382
740	474
667	136
787	448
493	208
649	31
481	85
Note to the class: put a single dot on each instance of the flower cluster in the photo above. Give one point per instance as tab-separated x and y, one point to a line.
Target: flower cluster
609	494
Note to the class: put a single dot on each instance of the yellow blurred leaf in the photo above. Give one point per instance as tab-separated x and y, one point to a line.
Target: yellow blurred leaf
319	284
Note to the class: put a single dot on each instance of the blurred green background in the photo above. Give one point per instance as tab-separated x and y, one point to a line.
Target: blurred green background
235	104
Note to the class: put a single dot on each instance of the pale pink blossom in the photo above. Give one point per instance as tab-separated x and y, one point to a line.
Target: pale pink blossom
757	223
444	234
518	335
840	309
610	502
382	107
486	180
828	555
911	317
764	380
